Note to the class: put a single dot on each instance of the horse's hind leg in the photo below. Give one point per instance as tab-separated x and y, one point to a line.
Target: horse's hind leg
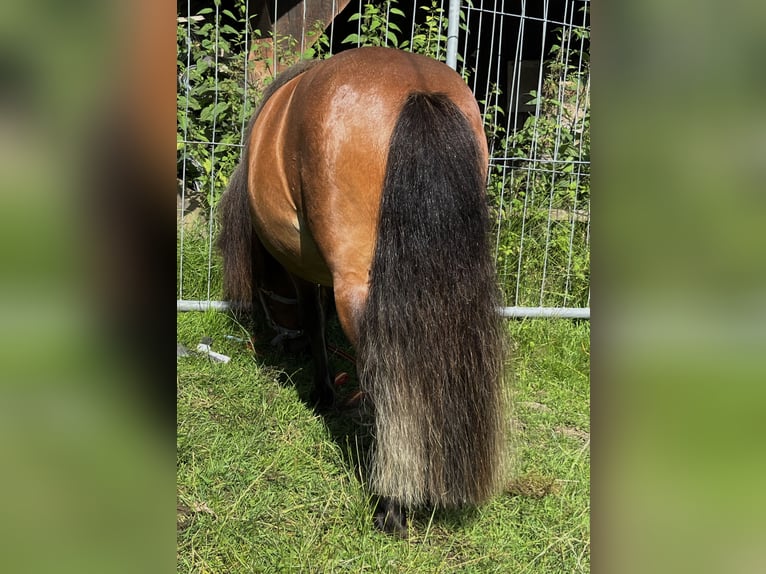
350	299
390	517
274	294
314	300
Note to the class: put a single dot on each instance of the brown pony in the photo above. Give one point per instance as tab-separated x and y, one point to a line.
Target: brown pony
363	177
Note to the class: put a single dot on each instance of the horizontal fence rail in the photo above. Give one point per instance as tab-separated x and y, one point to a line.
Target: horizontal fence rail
506	312
527	63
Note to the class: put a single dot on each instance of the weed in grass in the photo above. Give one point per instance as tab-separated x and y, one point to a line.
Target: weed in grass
532	486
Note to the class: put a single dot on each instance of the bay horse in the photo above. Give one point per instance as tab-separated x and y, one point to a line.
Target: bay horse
363	178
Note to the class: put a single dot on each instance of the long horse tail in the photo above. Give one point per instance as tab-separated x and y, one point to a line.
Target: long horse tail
235	239
236	236
431	348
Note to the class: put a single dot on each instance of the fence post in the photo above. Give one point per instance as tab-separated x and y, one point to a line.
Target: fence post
453	22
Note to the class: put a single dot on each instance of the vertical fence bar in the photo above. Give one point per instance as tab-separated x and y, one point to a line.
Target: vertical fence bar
453	26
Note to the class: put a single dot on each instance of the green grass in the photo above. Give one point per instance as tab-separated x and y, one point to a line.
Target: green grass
265	485
192	258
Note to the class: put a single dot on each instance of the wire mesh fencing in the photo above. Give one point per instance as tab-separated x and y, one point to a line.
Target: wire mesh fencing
527	64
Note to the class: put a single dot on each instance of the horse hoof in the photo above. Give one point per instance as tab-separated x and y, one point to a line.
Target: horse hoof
391	518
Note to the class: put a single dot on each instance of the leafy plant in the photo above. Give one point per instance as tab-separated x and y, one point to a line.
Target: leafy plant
211	102
540	186
430	38
375	27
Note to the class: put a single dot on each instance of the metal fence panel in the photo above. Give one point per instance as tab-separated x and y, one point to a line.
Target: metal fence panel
526	62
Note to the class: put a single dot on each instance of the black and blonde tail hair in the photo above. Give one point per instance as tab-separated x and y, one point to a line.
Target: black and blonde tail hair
431	350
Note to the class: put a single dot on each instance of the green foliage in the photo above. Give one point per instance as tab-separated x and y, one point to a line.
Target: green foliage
211	103
375	27
540	187
321	48
430	38
200	276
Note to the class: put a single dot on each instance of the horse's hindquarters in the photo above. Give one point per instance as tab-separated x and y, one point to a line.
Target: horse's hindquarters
275	187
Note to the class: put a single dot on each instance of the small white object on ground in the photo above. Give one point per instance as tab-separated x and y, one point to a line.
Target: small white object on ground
204	348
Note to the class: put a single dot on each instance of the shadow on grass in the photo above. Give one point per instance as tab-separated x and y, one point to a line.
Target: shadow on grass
348	424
